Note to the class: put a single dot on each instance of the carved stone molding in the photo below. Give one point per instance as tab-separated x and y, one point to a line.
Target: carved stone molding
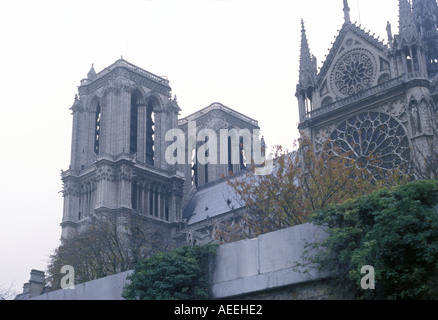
77	105
124	172
395	107
105	79
105	173
119	84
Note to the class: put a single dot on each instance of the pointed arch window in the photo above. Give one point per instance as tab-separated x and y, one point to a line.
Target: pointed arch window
150	133
97	129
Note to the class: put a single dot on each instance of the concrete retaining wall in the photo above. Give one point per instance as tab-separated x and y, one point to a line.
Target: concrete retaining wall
108	288
241	268
264	263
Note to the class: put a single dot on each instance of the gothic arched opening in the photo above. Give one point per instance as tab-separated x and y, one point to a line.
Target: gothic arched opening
152	104
97	129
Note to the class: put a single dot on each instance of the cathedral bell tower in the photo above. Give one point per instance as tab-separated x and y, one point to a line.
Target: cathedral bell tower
120	118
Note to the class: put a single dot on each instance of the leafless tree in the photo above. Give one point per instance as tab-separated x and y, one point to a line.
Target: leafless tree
111	243
7	293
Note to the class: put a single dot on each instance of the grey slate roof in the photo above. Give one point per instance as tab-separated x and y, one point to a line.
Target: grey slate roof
221	107
218	198
212	201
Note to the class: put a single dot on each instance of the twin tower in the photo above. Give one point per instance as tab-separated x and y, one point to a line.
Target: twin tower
122	117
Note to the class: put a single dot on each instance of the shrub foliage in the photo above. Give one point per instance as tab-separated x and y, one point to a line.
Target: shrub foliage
393	230
180	274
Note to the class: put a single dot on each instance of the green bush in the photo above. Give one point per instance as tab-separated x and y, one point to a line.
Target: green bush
181	274
393	230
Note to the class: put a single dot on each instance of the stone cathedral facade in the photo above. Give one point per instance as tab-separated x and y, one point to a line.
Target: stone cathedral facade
121	116
368	97
372	98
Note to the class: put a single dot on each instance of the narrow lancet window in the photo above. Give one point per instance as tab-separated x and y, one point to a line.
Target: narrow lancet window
150	134
97	131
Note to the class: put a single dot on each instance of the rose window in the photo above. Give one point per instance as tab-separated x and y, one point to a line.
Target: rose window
373	134
353	73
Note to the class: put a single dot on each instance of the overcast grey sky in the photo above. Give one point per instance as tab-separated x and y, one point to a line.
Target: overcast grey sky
242	53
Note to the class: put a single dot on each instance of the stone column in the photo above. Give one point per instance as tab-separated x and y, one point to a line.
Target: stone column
172	207
153	202
141	199
147	199
93	199
159	204
141	134
74	145
86	202
158	140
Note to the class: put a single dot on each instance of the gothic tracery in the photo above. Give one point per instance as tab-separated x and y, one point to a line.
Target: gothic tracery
376	135
354	72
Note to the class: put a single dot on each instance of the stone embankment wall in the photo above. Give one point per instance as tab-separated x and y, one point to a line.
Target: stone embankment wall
261	268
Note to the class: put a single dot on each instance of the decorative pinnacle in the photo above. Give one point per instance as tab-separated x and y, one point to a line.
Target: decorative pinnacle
406	18
346	12
407	28
92	73
308	68
305	56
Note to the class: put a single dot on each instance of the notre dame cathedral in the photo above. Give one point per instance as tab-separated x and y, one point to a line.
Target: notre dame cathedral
121	117
372	98
368	97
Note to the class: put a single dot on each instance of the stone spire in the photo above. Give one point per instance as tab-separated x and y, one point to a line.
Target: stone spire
407	28
426	18
308	68
307	79
408	44
425	15
346	12
92	73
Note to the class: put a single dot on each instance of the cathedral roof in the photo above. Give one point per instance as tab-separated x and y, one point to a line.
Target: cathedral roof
210	201
219	197
221	107
132	71
125	64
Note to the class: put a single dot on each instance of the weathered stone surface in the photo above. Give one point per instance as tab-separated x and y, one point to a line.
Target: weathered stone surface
271	264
